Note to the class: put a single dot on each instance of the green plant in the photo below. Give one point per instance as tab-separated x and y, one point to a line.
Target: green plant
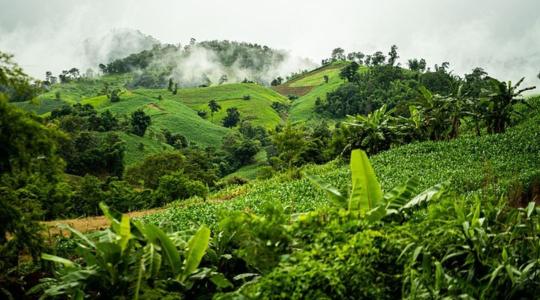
367	197
127	260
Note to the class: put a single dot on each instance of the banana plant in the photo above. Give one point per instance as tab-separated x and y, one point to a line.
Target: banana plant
367	197
123	259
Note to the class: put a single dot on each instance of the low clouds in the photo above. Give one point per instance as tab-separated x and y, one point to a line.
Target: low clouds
500	36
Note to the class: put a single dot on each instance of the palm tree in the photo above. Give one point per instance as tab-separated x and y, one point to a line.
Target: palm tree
498	104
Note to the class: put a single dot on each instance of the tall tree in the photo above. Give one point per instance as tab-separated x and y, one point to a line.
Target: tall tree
214	107
139	122
393	55
232	118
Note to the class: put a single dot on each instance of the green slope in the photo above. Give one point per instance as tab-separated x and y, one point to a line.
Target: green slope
469	163
167	114
257	109
303	108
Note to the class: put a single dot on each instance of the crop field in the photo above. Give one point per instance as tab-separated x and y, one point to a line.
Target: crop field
470	164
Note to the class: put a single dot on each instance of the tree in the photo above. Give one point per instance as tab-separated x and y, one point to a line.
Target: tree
325	78
232	118
14	83
498	104
175	90
114	97
153	167
223	79
338	54
214	107
417	65
177	186
139	122
170	86
276	81
377	58
241	149
350	72
393	55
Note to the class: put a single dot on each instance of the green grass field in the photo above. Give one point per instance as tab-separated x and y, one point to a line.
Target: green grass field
77	91
257	109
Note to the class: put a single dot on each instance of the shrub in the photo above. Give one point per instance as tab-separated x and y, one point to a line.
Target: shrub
177	186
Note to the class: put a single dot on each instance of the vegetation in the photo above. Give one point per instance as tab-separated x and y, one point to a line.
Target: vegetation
271	198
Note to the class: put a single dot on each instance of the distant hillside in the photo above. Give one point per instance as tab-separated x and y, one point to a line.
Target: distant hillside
205	63
308	87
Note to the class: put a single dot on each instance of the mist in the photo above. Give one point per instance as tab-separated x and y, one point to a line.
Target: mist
499	36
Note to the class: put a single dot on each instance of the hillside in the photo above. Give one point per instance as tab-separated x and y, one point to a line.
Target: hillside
257	109
471	165
308	87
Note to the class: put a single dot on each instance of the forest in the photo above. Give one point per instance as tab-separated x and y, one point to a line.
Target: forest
362	178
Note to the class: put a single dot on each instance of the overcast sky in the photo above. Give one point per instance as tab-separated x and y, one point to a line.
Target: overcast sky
501	36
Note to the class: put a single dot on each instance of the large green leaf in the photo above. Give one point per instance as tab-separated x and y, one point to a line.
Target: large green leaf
431	194
197	246
330	191
59	260
113	216
366	191
124	232
173	256
401	194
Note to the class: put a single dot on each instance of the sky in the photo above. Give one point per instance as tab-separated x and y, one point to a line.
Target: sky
503	37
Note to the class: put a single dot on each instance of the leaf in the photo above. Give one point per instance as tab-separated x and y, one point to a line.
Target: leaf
220	281
366	191
530	209
80	235
376	214
431	194
333	194
196	248
124	232
59	260
113	216
400	195
173	256
152	260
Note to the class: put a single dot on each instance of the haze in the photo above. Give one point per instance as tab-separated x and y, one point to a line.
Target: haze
500	36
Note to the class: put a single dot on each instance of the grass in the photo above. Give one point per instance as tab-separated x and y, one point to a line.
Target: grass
135	153
257	109
469	163
76	91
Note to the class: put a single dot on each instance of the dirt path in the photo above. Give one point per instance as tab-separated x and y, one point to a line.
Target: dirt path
92	223
154	106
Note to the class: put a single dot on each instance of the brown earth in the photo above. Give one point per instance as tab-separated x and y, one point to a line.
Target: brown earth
286	90
96	223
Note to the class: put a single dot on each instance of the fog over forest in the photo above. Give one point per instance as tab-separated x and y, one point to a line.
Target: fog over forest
500	36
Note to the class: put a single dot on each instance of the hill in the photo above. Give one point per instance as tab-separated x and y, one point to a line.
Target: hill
257	109
472	164
308	87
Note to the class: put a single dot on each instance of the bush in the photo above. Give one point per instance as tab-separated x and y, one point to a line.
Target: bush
177	186
246	97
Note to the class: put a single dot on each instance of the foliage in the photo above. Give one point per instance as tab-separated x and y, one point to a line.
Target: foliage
498	107
139	122
232	118
131	259
14	83
177	186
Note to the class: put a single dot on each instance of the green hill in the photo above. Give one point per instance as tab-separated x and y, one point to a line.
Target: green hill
166	114
257	109
470	163
308	87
